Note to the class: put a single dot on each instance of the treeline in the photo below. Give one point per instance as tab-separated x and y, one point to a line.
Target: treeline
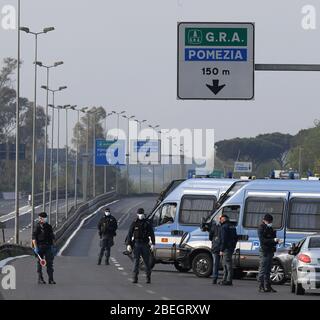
273	151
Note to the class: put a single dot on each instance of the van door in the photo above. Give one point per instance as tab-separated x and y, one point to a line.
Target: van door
255	207
193	209
164	223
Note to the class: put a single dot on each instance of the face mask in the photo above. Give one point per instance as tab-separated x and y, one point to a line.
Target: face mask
140	216
107	214
44	220
269	225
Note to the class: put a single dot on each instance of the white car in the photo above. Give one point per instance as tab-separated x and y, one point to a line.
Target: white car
306	265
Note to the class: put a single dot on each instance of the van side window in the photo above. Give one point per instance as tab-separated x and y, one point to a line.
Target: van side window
256	208
304	214
194	208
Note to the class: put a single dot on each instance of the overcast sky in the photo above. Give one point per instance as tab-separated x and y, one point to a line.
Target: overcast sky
122	54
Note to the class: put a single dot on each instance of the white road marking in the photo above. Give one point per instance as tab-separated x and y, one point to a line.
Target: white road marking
5	261
150	291
164	298
80	226
121	269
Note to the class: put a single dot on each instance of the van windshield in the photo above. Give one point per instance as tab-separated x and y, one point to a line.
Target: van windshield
230	192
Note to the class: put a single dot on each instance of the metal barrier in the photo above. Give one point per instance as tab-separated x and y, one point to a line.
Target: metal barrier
64	231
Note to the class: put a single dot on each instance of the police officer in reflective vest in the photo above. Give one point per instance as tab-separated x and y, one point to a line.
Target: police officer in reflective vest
107	231
138	239
43	246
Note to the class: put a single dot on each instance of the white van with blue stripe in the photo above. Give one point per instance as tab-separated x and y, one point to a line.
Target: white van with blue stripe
183	211
294	204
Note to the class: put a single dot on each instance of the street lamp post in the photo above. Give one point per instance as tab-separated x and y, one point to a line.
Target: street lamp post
153	167
118	130
40	64
140	127
66	107
105	167
51	151
35	34
77	156
16	225
128	148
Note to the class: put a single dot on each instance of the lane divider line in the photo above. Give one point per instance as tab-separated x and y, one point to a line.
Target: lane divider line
80	226
6	261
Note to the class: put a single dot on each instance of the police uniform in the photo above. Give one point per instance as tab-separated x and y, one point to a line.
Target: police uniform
107	231
268	245
215	238
44	238
140	233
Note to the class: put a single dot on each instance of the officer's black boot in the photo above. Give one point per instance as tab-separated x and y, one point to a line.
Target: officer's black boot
148	279
51	281
41	280
107	261
261	287
99	261
135	278
268	288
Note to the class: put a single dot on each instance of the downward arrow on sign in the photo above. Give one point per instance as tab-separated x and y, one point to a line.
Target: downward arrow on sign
215	88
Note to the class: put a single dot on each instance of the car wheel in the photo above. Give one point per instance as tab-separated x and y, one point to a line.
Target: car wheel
299	290
292	286
181	268
202	265
277	275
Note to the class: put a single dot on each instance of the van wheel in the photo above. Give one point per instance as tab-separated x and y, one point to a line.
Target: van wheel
238	274
202	265
299	290
292	286
277	275
181	268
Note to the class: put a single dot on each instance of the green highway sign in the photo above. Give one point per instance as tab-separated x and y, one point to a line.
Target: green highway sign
216	37
215	61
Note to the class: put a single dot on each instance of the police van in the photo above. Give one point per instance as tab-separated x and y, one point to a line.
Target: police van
294	205
183	210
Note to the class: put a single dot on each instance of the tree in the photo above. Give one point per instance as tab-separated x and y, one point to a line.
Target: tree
8	124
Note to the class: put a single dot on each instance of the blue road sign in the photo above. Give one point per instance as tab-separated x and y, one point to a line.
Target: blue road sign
110	152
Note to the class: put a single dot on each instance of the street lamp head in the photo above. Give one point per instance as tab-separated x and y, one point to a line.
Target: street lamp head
44	87
51	105
122	112
25	29
39	63
58	63
67	106
73	107
84	109
62	88
46	30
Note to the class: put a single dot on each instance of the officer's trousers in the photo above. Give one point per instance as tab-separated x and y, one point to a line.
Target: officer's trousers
105	245
227	265
265	268
216	265
45	252
141	250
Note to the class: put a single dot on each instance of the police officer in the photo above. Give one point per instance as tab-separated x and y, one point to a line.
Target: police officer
268	243
215	238
43	245
107	231
228	244
139	236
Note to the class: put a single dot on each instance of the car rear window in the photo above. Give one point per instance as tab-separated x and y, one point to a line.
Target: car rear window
314	243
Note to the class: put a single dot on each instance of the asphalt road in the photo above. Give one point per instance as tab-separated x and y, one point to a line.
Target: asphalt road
79	277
